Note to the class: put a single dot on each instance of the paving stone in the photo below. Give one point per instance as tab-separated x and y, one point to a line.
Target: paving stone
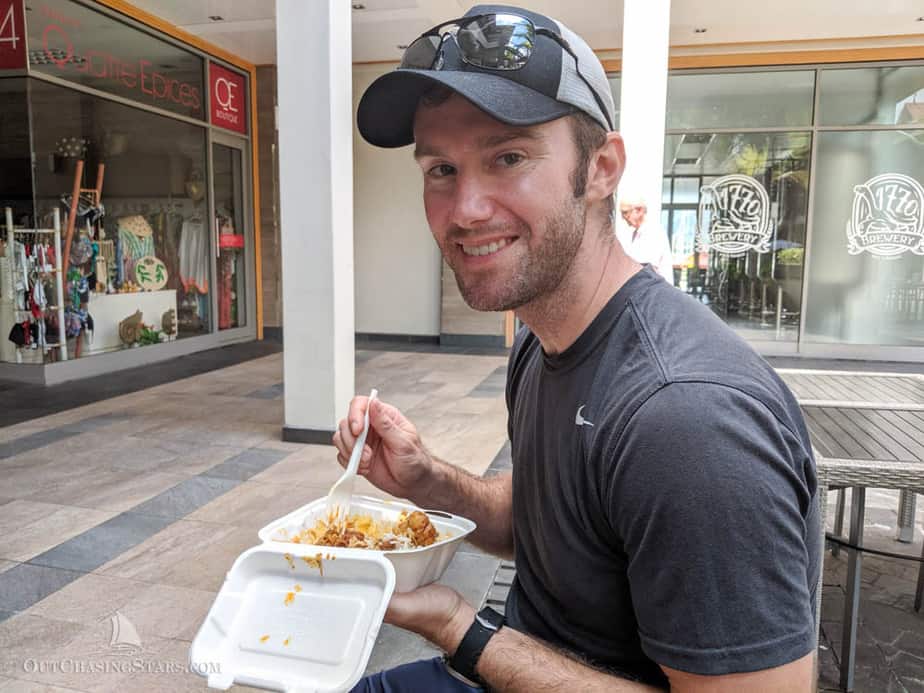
25	584
185	497
247	464
96	546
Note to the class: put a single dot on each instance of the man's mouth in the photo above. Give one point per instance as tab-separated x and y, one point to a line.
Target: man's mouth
485	248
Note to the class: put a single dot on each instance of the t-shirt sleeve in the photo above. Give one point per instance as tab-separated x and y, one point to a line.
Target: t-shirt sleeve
709	497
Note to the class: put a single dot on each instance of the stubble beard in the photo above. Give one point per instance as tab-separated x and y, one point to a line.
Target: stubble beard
540	270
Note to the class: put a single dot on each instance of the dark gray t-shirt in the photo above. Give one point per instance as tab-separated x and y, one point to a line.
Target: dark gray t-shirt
663	494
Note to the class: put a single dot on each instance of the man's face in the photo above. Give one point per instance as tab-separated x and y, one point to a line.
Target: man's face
499	202
634	215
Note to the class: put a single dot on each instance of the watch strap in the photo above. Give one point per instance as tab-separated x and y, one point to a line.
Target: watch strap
465	659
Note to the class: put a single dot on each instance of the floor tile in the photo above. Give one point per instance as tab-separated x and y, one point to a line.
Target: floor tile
43	534
24	584
93	548
183	542
19	513
33	441
254	504
26	637
168	611
246	464
107	489
185	497
93	423
89	598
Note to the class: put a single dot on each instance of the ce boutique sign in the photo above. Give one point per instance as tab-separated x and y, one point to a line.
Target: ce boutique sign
228	99
733	216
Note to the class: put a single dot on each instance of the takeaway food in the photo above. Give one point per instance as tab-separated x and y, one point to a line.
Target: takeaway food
411	530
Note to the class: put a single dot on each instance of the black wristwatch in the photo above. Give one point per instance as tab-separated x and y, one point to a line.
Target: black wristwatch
487	622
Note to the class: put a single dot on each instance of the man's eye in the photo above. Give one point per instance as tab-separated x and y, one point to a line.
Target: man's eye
510	159
441	171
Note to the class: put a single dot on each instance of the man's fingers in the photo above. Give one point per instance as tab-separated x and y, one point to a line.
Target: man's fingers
357	413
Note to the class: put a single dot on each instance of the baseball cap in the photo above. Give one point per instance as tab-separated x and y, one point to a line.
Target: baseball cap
547	87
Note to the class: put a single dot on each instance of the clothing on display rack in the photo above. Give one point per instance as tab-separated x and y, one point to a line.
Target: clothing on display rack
194	256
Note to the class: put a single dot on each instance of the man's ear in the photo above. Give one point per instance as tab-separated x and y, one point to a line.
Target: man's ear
606	167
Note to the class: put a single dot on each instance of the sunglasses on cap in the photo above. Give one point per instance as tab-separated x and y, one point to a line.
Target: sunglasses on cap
491	42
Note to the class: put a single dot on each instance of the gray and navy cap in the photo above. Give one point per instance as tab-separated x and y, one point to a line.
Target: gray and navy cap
546	88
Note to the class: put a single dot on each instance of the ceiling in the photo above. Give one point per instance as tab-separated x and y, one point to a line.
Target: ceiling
247	27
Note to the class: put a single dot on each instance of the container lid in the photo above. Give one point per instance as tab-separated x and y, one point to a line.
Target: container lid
289	618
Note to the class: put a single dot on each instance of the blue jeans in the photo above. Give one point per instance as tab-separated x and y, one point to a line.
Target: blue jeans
425	676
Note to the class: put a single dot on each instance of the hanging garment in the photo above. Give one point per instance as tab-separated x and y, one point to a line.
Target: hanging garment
194	257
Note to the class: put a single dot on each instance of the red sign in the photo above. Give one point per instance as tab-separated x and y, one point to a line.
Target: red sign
228	97
12	35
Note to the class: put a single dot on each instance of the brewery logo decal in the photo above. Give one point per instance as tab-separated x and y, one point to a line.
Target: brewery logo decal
734	216
887	219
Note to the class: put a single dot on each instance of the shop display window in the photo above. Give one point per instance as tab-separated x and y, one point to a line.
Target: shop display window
889	95
866	263
73	42
140	263
735	207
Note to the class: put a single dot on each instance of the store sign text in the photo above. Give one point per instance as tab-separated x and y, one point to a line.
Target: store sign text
12	35
228	99
734	216
59	49
887	219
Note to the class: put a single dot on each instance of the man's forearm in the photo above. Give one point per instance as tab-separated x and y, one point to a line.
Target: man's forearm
486	501
513	662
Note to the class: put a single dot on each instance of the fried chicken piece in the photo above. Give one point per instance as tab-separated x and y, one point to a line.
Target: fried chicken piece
423	531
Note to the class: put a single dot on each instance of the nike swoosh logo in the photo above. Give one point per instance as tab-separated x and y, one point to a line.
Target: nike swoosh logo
580	420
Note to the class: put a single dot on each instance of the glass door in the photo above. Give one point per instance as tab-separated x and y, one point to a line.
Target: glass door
232	233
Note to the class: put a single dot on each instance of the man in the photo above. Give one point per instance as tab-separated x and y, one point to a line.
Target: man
661	510
644	240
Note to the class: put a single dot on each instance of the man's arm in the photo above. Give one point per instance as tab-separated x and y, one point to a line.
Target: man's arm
513	662
486	501
395	460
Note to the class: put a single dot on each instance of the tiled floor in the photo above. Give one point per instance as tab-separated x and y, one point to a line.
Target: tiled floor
138	504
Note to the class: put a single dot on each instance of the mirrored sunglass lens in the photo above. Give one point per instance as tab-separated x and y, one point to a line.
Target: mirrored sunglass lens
497	42
420	54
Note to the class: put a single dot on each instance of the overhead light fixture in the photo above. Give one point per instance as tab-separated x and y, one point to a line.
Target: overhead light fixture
919	19
216	18
358	6
699	30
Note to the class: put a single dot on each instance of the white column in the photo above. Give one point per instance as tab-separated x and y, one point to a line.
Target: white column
645	41
315	121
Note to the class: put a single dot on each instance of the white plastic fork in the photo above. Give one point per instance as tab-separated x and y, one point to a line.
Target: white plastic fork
341	493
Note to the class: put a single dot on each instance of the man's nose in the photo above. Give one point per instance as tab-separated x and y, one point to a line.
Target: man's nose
473	201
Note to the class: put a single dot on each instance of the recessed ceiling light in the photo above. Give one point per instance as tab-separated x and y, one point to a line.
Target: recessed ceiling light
216	18
358	6
402	46
919	19
699	30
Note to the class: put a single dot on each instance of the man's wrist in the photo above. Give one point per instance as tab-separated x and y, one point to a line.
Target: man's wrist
454	629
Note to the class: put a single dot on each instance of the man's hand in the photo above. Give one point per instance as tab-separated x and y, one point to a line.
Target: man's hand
394	458
436	612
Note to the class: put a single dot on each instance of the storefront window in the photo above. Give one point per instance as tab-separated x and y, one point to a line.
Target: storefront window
740	100
15	150
866	281
867	96
736	215
228	170
141	273
70	41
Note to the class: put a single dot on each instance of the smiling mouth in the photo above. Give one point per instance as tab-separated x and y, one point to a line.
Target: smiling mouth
486	249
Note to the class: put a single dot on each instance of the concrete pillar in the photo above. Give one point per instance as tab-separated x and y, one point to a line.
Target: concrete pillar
645	41
315	121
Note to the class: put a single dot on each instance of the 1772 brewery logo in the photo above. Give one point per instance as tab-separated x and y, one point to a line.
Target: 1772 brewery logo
888	217
734	216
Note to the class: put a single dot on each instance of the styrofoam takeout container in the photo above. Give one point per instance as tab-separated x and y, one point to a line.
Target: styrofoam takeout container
331	624
413	567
